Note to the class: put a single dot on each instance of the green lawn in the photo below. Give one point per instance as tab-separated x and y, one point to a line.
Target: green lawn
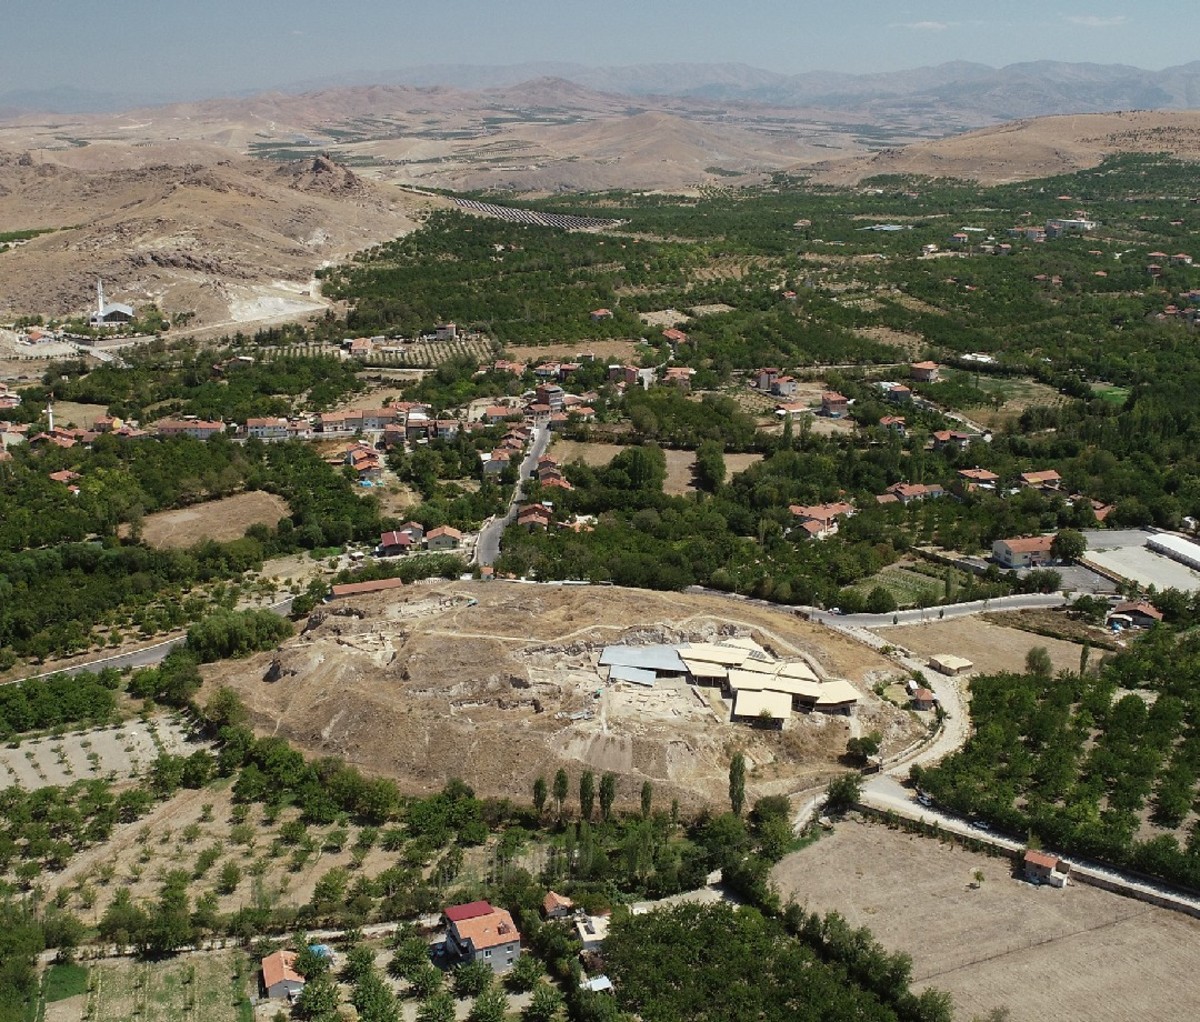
63	981
1116	395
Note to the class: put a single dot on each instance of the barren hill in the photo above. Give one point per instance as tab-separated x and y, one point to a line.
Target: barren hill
1029	148
232	240
498	684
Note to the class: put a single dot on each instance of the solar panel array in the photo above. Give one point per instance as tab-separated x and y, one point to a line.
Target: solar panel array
564	221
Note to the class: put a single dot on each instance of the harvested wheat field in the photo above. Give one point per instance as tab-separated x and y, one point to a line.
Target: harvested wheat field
1073	955
498	684
224	519
989	646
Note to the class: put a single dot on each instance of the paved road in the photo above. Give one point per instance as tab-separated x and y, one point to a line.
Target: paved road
919	617
885	793
488	547
144	657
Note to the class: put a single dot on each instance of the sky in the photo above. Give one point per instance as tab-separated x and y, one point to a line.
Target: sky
173	49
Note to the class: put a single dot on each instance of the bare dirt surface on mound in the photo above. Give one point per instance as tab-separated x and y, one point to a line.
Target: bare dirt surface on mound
498	684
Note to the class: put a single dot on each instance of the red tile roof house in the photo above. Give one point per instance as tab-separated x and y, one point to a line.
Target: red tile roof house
923	699
978	478
764	379
1040	868
557	906
834	404
896	423
1022	553
442	538
534	516
279	977
784	386
395	542
675	336
1047	480
900	393
821	520
906	493
924	372
1138	614
476	932
599	314
951	438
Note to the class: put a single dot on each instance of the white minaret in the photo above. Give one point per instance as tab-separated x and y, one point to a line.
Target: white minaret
50	412
99	298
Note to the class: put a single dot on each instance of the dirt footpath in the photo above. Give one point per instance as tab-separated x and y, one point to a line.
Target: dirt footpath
1075	955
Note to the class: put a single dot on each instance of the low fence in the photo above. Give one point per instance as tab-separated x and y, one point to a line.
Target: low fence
1081	873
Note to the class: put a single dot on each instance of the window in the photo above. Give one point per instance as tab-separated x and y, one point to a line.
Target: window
487	954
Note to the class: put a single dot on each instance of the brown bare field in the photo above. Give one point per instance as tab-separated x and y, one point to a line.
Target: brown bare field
221	520
590	454
475	680
989	646
1075	955
619	351
1031	148
682	464
81	415
911	344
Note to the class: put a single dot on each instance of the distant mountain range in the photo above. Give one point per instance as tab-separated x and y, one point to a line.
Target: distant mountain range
960	93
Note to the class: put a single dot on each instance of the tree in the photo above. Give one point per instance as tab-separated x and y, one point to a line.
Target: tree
647	799
587	794
438	1007
539	795
544	1006
470	979
880	601
710	465
524	974
318	1000
608	795
843	792
1038	662
861	749
561	786
1068	545
489	1006
737	783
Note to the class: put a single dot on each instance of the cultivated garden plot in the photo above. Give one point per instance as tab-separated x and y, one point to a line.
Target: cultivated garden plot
117	751
206	987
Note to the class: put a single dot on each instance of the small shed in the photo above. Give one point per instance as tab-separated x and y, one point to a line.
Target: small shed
1042	868
947	663
279	976
557	906
923	699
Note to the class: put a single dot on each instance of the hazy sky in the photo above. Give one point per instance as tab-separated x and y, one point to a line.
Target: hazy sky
171	48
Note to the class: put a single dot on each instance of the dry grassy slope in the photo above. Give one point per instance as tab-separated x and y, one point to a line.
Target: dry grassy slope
1029	148
211	237
426	687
